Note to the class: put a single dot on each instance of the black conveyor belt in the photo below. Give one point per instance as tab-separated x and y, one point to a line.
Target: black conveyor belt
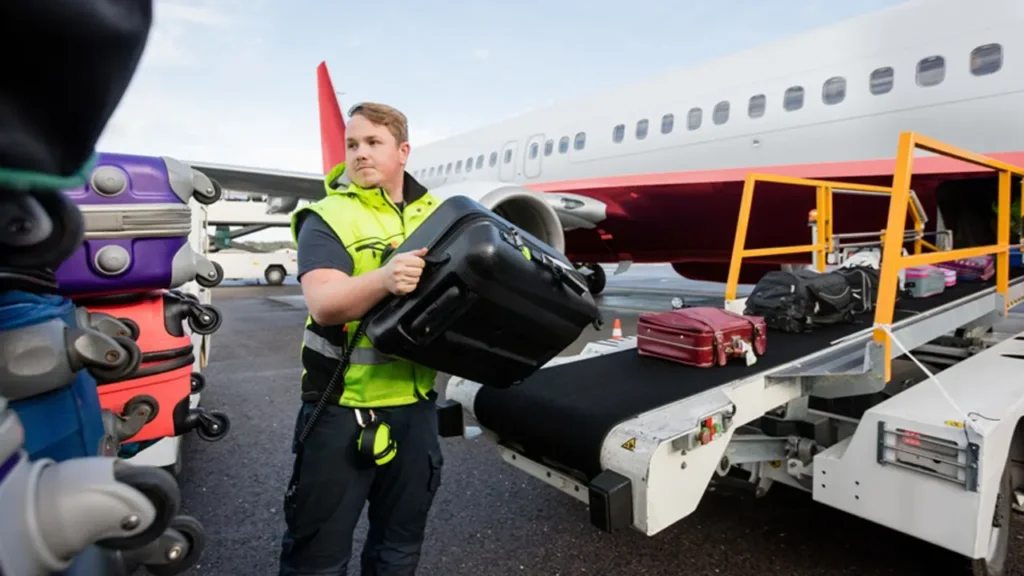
563	413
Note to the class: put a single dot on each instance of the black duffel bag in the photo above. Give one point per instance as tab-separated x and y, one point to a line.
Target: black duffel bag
798	301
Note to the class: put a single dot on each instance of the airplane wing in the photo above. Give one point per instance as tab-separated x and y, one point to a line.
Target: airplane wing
262	181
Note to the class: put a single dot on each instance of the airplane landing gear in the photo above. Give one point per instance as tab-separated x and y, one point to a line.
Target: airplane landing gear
595	275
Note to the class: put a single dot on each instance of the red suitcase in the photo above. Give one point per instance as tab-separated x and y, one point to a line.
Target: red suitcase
701	336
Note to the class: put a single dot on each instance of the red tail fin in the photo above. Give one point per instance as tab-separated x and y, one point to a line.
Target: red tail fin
332	124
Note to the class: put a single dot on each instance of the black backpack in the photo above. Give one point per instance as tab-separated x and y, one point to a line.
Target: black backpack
797	301
863	281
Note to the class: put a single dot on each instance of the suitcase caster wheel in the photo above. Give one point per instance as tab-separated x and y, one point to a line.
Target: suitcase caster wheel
160	488
133	328
198	382
208	197
39	229
178	561
124	371
206	282
213	426
204	320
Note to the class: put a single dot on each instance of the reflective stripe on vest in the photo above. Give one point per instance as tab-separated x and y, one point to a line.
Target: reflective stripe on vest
360	355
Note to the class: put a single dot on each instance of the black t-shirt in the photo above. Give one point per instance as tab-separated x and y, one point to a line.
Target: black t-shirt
320	247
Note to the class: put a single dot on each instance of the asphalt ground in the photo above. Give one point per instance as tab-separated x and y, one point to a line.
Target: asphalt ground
489	518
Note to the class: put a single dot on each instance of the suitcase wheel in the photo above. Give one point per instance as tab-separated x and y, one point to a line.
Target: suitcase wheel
210	425
162	491
180	549
39	229
124	369
198	382
204	319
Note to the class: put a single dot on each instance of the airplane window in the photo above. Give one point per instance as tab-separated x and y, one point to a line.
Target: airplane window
693	118
794	98
469	164
549	147
721	114
458	167
494	159
534	150
431	170
931	71
440	170
756	106
448	170
667	121
834	90
641	129
987	59
618	133
581	140
882	80
508	156
563	145
479	161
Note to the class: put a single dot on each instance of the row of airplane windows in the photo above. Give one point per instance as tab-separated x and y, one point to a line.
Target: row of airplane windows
931	71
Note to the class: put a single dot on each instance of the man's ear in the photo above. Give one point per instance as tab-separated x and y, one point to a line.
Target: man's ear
403	152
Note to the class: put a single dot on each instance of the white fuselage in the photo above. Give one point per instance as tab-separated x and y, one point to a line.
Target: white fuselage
948	69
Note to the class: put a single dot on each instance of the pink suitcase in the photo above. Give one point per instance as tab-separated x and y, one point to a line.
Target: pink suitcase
974	268
925	281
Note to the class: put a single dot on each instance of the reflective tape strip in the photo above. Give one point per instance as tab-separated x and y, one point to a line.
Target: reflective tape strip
362	356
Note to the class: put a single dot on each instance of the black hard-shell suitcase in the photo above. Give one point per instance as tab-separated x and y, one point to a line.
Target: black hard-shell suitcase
493	305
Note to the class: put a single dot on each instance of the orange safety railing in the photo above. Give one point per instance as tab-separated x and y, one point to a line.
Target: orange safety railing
824	242
893	259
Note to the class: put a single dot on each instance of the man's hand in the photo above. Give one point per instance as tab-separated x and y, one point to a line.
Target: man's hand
402	272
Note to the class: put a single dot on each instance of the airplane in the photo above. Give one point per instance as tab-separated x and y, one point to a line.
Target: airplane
653	172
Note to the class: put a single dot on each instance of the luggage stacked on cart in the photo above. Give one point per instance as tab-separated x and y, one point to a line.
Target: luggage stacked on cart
54	445
493	305
135	254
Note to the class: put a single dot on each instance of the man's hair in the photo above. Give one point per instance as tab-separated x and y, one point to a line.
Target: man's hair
384	115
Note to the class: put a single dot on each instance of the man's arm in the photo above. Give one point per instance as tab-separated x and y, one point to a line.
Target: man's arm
333	296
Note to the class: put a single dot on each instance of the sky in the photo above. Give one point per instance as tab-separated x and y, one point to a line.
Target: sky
234	81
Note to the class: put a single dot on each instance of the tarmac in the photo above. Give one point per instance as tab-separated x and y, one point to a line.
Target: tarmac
489	518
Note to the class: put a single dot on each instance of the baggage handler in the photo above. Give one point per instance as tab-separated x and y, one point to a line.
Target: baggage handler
372	204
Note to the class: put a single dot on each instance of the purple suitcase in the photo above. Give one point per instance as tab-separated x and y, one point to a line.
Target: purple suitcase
137	223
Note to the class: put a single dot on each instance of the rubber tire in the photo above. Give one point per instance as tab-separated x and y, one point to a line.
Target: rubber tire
214	325
198	381
1004	510
162	490
225	427
218	192
195	535
68	233
275	275
597	279
207	283
126	371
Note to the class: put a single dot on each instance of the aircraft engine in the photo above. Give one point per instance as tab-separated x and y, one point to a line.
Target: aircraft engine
530	211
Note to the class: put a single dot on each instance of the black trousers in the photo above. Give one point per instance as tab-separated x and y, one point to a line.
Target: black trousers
335	482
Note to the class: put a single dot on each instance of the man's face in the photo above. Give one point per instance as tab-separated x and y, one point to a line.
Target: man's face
372	155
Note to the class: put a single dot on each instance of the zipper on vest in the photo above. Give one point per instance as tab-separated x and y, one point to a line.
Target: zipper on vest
401	217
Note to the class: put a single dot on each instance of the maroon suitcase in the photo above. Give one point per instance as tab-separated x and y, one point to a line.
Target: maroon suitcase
701	336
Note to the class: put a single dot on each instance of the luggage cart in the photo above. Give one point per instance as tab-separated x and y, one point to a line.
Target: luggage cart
640	439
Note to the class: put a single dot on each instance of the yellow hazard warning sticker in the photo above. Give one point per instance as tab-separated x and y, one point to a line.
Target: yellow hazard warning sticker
630	444
954	423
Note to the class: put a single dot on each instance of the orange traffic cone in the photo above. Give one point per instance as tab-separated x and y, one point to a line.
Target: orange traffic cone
617	330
